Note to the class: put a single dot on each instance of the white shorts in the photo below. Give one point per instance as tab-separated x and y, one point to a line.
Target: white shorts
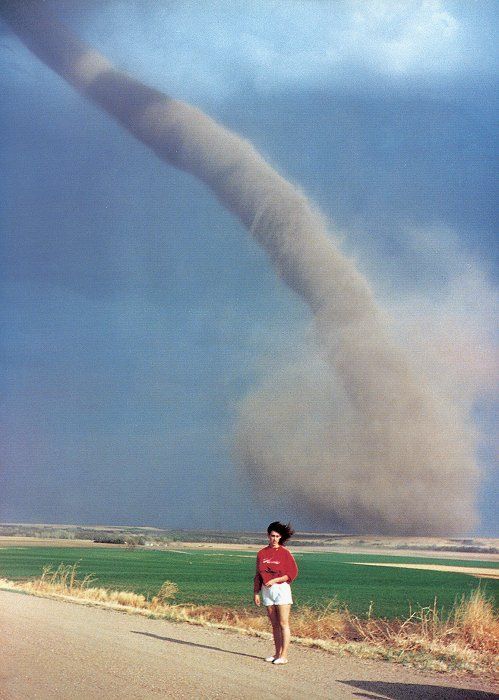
278	594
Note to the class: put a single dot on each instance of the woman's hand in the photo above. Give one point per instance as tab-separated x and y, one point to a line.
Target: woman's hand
256	599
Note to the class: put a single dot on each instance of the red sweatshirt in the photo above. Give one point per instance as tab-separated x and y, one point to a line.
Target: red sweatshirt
274	563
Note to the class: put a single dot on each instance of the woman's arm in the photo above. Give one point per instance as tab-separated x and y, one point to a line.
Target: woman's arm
257	584
290	568
279	579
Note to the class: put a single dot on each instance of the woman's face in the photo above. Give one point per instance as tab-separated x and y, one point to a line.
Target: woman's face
274	538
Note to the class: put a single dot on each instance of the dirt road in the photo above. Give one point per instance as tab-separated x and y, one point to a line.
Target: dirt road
58	650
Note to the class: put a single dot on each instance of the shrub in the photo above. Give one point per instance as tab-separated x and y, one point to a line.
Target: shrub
133	541
166	593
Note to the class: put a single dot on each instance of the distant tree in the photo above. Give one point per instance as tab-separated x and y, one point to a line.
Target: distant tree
109	540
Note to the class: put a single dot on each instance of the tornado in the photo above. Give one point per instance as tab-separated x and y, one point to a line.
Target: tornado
358	437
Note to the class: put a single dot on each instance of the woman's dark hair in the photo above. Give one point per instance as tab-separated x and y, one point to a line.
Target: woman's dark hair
285	531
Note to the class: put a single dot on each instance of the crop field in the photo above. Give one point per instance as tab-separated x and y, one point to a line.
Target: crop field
220	577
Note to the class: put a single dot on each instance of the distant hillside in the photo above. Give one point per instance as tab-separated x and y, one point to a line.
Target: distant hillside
122	534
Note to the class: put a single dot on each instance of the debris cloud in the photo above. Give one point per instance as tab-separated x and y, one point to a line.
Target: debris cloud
359	437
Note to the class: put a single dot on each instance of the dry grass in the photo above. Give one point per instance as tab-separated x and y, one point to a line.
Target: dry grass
64	582
466	640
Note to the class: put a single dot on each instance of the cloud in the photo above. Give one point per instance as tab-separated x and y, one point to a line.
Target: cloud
450	323
408	36
214	50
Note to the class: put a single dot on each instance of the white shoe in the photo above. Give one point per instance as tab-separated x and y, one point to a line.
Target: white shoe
270	658
280	660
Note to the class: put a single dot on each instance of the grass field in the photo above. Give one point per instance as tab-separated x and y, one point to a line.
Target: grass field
225	578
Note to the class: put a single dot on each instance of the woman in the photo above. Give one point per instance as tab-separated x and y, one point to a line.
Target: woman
275	569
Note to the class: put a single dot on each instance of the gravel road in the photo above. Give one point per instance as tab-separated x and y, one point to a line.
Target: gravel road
58	650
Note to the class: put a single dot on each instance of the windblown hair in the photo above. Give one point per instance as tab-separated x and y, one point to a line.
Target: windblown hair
285	531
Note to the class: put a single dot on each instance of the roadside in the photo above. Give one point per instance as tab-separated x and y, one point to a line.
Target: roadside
463	643
54	649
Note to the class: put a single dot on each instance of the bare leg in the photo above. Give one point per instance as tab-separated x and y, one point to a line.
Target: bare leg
283	617
276	628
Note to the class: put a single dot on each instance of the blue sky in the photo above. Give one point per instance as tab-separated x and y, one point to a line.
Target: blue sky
136	312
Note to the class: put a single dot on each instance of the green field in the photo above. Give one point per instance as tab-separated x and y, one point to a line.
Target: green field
221	577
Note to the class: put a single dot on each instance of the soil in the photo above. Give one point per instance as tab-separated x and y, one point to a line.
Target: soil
470	570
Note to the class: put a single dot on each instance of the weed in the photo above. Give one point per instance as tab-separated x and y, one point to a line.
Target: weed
166	593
